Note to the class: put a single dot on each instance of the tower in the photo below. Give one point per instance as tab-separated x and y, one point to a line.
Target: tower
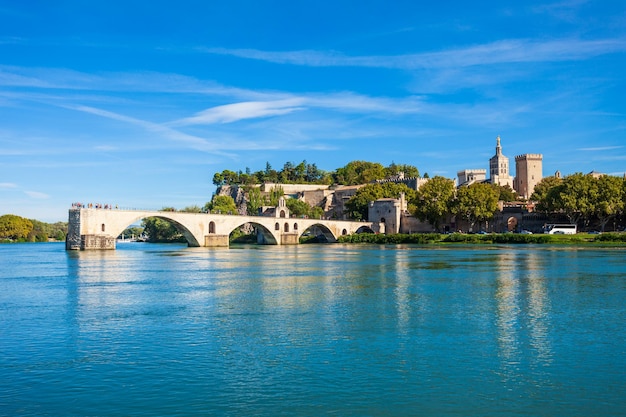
499	167
528	172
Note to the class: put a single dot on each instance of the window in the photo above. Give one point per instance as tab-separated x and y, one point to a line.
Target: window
212	227
286	227
103	227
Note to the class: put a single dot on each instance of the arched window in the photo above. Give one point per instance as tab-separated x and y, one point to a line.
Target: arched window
282	213
212	227
277	226
295	226
103	227
344	232
286	227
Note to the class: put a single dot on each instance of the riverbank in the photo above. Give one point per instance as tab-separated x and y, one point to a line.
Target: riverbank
490	238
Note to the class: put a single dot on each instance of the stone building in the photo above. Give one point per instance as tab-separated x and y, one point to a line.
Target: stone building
470	176
499	168
528	173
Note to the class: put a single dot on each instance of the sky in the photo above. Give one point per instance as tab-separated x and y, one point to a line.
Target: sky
139	103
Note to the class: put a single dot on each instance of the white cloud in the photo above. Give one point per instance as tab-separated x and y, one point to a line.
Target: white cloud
599	148
504	51
238	111
37	195
7	185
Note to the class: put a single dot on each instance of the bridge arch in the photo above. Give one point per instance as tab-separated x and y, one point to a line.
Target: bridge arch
323	229
267	236
189	236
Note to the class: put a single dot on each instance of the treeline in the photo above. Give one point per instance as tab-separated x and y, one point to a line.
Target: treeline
19	229
582	198
354	173
501	238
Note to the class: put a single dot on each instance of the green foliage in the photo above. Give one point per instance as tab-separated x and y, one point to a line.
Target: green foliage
14	227
297	207
275	194
610	198
316	212
408	170
382	239
505	192
161	231
357	206
476	203
222	204
255	201
359	172
192	209
434	200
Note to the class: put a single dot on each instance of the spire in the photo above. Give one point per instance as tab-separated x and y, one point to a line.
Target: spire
498	147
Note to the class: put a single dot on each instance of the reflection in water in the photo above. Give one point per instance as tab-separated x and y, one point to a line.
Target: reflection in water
538	310
508	310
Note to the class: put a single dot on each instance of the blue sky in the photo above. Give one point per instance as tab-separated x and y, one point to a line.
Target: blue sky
139	103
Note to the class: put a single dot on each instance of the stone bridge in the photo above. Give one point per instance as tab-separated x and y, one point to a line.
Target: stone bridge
98	228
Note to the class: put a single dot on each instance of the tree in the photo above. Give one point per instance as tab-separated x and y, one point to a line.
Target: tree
409	171
359	172
505	192
434	200
275	194
160	230
223	204
316	212
255	201
14	227
357	206
543	195
576	197
192	209
476	203
610	198
298	207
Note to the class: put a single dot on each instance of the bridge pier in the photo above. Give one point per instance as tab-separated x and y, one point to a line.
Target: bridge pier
216	241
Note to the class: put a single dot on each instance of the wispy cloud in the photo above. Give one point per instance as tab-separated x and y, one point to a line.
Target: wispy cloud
599	148
238	111
37	195
504	51
7	185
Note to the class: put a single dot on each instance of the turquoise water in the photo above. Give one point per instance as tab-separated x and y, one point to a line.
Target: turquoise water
153	330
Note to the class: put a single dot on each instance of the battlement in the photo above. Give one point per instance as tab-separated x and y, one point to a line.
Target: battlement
529	156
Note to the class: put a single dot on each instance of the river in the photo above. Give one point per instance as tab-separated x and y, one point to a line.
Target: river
311	330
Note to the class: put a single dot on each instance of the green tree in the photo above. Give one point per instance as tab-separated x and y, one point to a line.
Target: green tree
358	205
223	204
544	194
409	171
254	201
316	212
297	207
476	203
14	227
610	198
274	195
192	209
576	197
434	200
505	192
359	172
160	230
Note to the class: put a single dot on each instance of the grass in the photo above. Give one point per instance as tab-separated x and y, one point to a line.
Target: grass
500	238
